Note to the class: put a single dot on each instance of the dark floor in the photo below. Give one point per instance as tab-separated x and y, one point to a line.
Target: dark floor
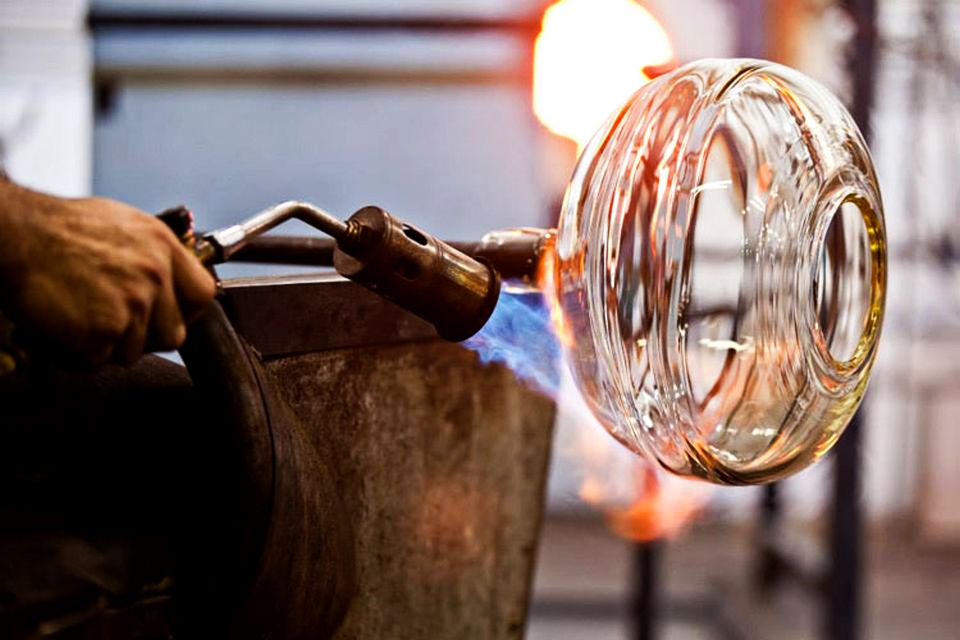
584	571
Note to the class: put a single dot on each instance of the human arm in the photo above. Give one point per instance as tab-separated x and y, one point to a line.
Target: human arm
95	278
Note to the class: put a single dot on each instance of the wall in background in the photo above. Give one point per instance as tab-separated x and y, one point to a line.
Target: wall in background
45	94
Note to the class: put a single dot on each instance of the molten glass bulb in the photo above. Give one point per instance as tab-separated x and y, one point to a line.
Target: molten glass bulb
720	271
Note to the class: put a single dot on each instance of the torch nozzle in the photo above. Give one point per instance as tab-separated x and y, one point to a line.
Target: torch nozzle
424	275
456	293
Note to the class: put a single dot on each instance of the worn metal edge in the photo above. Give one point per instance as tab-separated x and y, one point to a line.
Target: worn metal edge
288	315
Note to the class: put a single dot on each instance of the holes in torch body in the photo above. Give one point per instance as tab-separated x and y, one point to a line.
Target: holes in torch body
405	267
415	234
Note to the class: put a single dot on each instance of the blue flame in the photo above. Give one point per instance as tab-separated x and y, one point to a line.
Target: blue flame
520	335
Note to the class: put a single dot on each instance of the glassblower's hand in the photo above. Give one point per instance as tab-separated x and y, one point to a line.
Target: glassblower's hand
95	278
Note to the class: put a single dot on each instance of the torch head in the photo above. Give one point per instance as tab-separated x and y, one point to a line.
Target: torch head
429	278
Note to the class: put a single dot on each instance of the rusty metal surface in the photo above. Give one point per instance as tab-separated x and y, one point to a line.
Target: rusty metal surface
294	314
280	562
442	467
441	462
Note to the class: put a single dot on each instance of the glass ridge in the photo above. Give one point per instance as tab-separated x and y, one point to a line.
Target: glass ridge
721	267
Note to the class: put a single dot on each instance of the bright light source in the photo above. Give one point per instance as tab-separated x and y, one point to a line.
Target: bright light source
589	58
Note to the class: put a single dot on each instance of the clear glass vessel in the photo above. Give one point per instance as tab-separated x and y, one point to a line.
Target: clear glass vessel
720	271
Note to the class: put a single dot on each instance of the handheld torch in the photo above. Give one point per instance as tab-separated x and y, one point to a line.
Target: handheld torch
454	288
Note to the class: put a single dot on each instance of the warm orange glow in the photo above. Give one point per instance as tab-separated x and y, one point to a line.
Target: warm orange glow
639	501
643	506
589	58
545	282
660	510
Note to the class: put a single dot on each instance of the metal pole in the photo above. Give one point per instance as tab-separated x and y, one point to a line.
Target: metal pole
844	583
862	64
100	19
769	562
644	593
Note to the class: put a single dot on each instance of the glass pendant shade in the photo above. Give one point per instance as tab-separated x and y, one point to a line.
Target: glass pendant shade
720	271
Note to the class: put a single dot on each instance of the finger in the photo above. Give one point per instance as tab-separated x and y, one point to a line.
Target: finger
104	327
167	329
194	285
133	341
98	348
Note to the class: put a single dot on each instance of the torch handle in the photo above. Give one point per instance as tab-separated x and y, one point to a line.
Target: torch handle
180	221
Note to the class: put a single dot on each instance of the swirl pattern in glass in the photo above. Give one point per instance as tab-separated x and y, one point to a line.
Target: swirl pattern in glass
720	268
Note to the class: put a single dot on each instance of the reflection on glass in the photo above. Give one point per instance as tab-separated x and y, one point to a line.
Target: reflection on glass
720	270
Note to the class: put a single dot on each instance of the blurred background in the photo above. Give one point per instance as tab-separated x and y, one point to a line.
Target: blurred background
437	111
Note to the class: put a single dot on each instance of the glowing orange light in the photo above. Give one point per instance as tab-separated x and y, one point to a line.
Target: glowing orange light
660	510
655	506
545	282
589	58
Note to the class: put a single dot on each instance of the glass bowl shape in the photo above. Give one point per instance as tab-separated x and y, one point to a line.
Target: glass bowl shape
720	271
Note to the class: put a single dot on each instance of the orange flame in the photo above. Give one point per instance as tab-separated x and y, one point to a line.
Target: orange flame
546	274
660	509
653	505
590	56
